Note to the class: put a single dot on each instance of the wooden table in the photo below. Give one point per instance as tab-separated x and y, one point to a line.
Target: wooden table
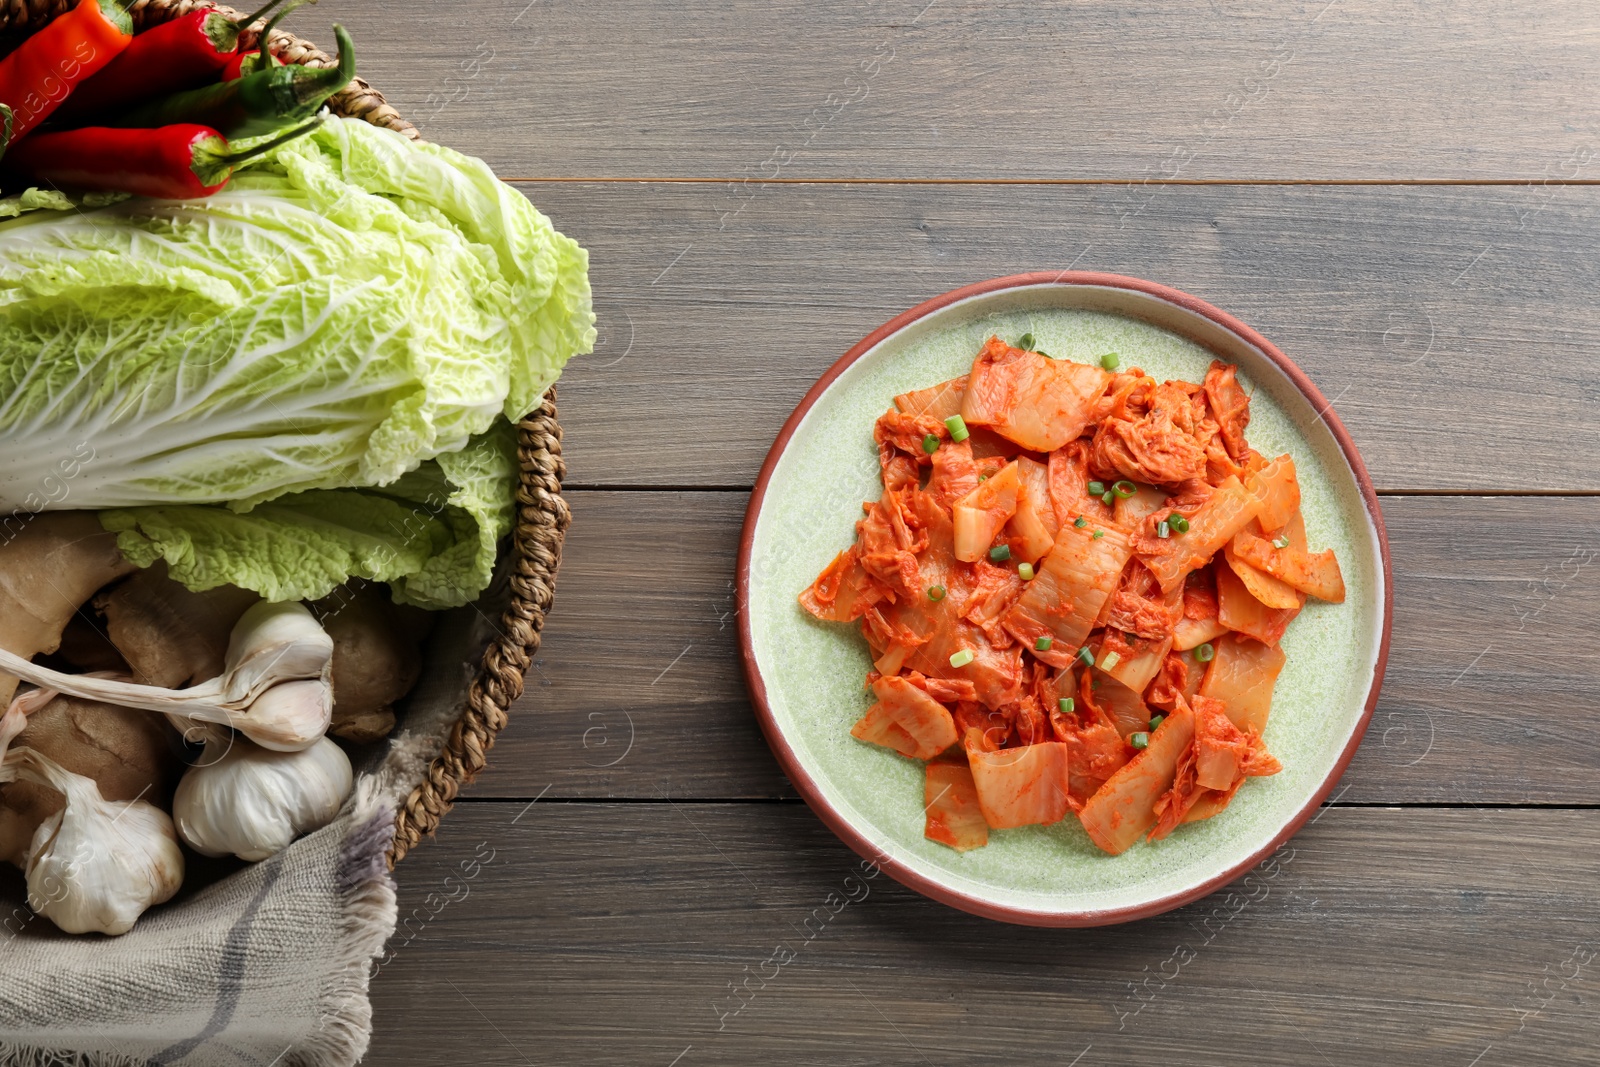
1400	193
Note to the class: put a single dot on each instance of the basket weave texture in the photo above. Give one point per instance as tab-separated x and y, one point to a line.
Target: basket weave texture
542	515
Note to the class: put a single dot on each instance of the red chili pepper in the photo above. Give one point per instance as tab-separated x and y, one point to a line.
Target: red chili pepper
257	104
46	67
186	53
173	162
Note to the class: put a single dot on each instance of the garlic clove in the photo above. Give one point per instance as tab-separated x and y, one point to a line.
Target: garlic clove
251	802
96	865
289	717
272	643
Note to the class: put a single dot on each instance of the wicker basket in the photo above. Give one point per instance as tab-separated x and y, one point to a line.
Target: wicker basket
542	515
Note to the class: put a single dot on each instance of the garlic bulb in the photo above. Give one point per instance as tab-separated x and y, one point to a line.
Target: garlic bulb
273	643
276	689
96	865
252	802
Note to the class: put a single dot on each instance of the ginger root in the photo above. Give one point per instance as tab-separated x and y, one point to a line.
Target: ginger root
129	755
48	570
170	636
376	658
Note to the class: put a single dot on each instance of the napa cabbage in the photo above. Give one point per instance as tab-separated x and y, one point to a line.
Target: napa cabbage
311	375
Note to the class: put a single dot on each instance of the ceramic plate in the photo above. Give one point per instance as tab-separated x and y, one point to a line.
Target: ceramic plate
805	676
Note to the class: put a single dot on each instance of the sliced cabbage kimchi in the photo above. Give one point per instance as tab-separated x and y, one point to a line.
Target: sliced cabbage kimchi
1074	587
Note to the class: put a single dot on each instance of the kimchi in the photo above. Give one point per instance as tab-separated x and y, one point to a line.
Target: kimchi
1074	587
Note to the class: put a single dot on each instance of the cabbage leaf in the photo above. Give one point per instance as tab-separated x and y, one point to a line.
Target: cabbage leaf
307	377
432	535
349	307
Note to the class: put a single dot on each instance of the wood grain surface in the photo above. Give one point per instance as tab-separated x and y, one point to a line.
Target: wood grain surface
1401	195
1490	696
618	934
977	90
1452	328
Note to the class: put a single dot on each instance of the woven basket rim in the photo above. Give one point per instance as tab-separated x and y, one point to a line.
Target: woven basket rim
542	515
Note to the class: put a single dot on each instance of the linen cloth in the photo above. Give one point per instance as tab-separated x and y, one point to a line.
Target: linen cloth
268	967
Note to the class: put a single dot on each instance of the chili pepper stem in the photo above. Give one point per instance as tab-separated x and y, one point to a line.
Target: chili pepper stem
324	79
223	32
116	12
264	54
213	167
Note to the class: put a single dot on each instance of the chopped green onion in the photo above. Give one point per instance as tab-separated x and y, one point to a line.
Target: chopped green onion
1163	529
1281	541
935	592
1107	497
1025	342
962	658
1097	488
1157	720
1066	705
1086	656
1125	489
1205	653
1139	740
1110	661
958	428
1025	570
1043	353
930	444
1000	553
1099	534
1110	361
983	477
1043	644
1080	522
1178	522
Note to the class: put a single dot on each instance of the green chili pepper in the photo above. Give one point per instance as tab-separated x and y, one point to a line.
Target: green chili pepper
256	104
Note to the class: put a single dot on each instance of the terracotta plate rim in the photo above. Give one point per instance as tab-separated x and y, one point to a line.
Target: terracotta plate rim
812	793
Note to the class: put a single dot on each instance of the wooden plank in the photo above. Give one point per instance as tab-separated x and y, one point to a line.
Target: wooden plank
964	89
1454	328
615	934
1491	694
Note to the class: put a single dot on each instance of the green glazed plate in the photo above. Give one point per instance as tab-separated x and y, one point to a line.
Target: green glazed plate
806	677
